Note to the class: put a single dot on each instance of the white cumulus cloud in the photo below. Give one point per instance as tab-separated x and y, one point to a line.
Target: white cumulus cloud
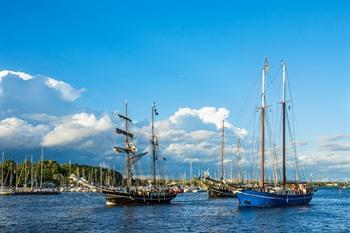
209	115
76	128
16	132
195	134
67	92
19	74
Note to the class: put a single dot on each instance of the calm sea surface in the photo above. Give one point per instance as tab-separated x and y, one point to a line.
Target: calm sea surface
329	211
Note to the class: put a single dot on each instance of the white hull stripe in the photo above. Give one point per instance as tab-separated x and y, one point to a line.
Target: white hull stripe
280	198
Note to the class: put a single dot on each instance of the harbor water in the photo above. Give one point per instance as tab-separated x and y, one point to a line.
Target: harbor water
329	211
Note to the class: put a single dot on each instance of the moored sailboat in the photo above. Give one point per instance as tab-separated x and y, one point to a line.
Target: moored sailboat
4	190
287	194
219	188
130	194
41	190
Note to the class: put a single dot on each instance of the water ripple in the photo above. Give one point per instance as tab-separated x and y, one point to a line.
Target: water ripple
74	212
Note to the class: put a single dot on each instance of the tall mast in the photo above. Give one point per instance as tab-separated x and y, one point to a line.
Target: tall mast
11	175
25	173
101	175
31	171
154	143
239	160
2	171
41	167
70	167
129	149
127	146
262	172
191	173
222	149
284	124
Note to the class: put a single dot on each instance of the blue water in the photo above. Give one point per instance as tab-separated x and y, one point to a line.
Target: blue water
329	211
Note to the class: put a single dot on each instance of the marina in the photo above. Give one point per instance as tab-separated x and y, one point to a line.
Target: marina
175	116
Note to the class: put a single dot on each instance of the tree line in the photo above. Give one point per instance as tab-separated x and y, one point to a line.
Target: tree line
50	172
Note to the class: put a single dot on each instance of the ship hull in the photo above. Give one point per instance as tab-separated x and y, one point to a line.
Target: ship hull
36	192
253	198
6	192
115	198
220	193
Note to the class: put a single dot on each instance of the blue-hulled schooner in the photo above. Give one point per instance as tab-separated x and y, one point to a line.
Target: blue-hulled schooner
287	194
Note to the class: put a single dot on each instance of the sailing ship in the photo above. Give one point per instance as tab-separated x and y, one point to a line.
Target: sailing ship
287	194
130	194
220	189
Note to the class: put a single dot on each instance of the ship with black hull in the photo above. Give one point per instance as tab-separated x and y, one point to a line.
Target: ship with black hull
130	194
219	188
221	191
137	196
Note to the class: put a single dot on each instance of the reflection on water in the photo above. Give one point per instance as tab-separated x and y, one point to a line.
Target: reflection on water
74	212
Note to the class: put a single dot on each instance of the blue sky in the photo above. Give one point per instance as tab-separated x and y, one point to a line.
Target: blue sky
188	54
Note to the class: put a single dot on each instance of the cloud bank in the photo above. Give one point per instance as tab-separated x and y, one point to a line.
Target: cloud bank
42	111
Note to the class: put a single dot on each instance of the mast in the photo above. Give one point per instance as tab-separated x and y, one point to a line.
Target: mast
41	167
31	172
25	173
154	143
11	174
191	172
262	172
239	175
70	167
2	171
127	146
101	181
16	172
222	149
284	124
129	149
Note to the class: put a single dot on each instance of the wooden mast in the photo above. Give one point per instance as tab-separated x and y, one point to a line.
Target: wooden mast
2	171
191	173
31	172
239	175
222	148
129	149
262	172
284	179
127	146
41	167
154	143
25	173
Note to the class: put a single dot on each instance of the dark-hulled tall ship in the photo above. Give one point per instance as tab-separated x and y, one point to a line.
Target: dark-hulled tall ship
129	193
219	188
